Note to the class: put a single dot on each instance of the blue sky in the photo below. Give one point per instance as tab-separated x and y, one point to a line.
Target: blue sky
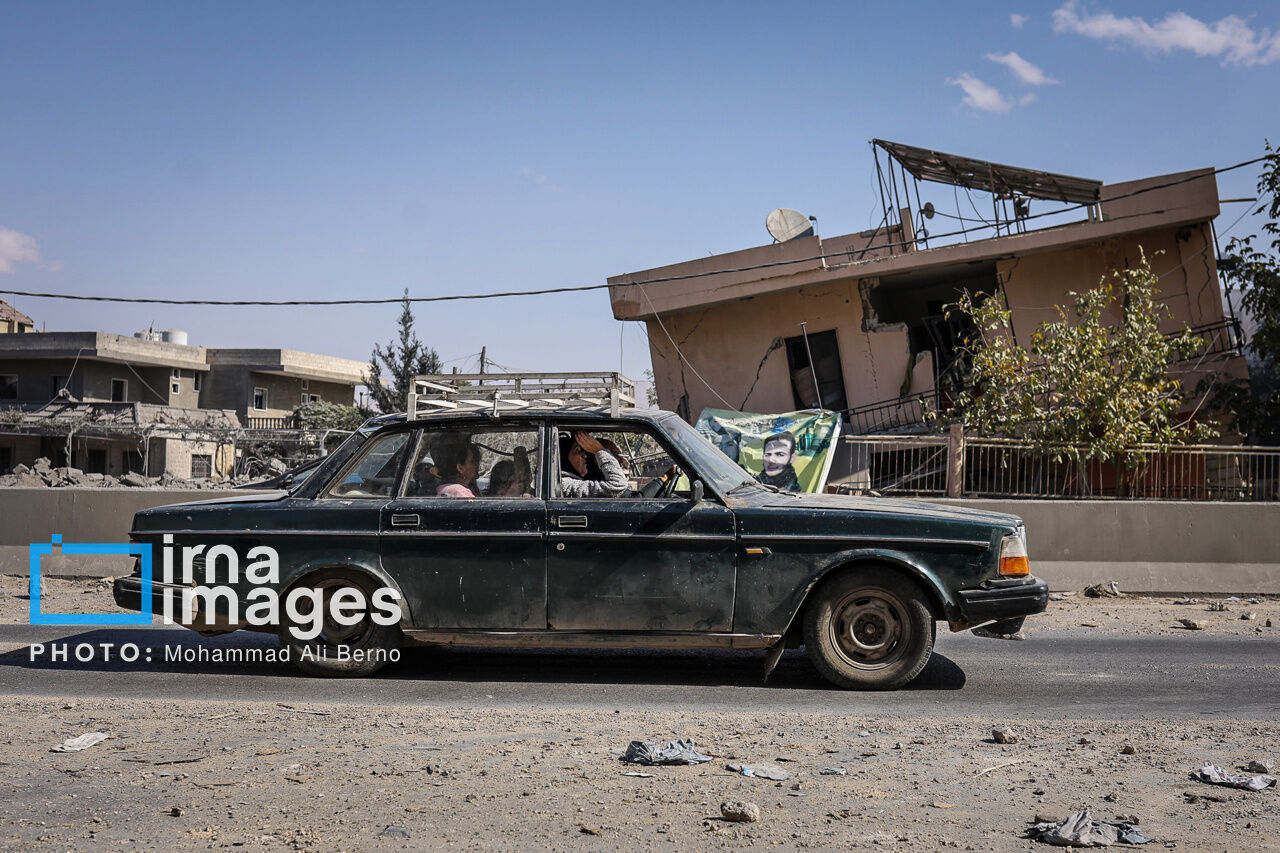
320	150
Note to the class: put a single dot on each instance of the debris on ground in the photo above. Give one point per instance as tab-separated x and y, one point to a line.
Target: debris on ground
1128	749
1110	589
1256	766
740	811
1081	830
1004	735
1212	774
1217	607
1191	624
676	752
84	741
1248	617
833	771
761	771
988	634
394	832
1187	601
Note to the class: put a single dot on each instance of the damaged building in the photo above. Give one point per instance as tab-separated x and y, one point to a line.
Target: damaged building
856	323
154	404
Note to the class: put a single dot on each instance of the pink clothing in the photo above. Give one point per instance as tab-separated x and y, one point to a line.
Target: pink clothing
454	490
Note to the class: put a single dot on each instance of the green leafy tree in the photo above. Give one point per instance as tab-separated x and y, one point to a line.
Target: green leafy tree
399	360
1251	266
1084	388
324	415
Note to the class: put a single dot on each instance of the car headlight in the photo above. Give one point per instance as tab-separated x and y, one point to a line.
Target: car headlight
1013	555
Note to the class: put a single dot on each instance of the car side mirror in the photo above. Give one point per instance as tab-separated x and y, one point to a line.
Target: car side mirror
287	481
696	492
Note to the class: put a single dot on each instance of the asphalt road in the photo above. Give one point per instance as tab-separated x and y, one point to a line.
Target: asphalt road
1107	676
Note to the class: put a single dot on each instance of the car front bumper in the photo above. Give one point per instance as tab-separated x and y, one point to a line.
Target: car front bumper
127	591
1004	599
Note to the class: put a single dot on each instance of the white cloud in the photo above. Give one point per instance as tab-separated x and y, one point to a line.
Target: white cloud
1230	38
538	178
16	248
1016	21
979	95
1028	73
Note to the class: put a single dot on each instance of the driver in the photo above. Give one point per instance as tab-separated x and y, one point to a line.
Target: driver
577	452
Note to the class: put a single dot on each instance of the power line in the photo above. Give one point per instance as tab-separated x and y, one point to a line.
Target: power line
587	287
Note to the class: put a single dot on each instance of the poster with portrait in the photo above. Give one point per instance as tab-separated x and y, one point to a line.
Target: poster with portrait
792	450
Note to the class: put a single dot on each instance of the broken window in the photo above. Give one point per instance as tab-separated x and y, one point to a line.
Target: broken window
918	302
817	361
119	390
201	466
259	398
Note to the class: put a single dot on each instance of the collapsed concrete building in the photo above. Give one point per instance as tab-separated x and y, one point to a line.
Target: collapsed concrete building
856	323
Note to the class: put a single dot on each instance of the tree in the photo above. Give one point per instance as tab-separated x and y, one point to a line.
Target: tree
1255	273
325	415
400	361
1084	389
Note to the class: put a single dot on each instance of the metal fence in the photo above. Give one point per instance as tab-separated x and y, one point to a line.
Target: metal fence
957	466
897	465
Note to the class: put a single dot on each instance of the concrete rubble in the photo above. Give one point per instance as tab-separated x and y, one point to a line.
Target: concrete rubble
42	474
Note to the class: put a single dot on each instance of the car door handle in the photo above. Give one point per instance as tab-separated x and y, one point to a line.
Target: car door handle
571	521
405	520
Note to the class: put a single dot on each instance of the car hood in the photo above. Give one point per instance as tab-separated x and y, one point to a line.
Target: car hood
881	506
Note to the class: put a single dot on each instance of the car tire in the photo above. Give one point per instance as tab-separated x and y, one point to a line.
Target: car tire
869	629
369	646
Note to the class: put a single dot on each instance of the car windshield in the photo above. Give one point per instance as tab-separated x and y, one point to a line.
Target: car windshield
720	472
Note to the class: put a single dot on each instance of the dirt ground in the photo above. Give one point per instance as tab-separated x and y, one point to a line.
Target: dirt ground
264	775
311	777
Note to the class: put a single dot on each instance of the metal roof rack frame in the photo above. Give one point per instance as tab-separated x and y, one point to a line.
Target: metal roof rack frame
514	392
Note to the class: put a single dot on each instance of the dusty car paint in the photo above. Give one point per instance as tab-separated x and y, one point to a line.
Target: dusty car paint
731	570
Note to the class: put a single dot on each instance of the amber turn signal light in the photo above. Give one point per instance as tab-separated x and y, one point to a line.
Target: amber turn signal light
1013	556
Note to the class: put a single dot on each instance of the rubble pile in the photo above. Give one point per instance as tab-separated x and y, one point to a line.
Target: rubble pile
42	474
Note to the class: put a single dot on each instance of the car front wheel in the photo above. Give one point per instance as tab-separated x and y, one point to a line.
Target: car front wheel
351	650
870	629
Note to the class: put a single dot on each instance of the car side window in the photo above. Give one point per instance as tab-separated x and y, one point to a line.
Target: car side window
470	463
651	472
372	474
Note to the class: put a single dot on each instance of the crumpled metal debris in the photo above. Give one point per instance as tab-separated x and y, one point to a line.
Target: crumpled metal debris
761	771
676	752
84	741
1081	830
1110	589
1215	775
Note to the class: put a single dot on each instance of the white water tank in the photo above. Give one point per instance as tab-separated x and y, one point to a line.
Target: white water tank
174	336
148	335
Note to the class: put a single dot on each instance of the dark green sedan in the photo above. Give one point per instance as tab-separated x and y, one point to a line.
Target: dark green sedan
577	528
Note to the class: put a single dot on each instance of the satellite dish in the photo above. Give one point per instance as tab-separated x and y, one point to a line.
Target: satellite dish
927	210
786	224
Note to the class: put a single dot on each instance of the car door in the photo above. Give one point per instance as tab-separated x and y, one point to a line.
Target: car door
636	563
471	555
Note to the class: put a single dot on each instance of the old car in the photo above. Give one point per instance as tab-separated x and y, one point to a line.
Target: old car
464	517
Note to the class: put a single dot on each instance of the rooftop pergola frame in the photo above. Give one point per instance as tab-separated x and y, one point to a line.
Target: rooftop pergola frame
1004	183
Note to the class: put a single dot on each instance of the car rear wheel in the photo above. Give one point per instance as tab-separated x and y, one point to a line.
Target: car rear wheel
870	629
353	650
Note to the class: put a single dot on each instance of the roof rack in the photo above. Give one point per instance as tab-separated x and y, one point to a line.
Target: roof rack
513	392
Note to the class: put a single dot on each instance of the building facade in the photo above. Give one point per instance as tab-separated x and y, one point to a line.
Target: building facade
857	323
112	404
